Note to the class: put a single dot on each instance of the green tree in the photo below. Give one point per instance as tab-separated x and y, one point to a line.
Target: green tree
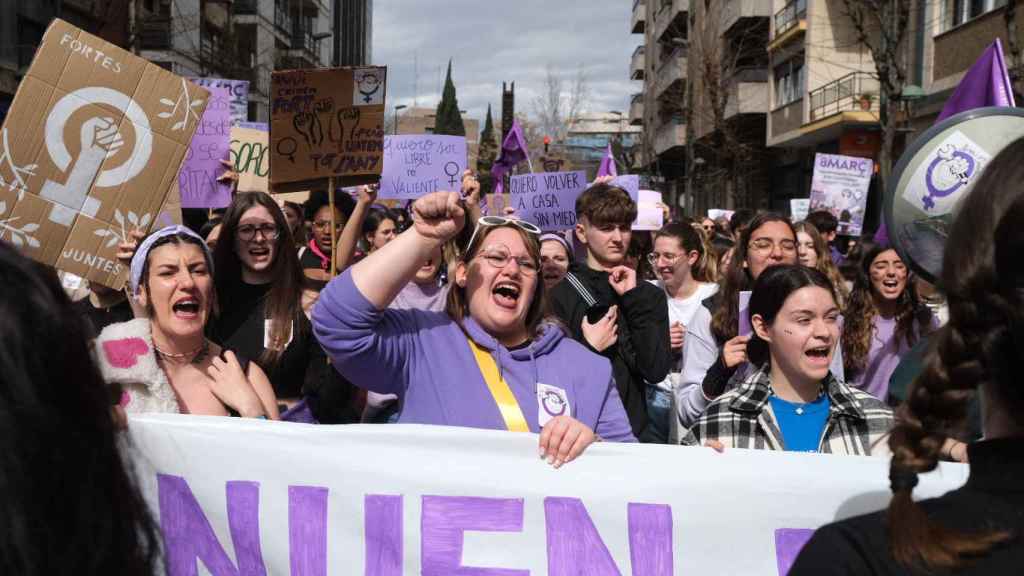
449	120
487	154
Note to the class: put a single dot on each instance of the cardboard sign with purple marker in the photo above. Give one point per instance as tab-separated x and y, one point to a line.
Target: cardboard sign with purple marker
745	327
415	165
548	199
197	180
339	507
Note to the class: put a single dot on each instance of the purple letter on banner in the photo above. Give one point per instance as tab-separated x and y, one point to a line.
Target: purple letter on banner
788	543
307	530
444	520
383	523
198	177
188	536
650	539
574	546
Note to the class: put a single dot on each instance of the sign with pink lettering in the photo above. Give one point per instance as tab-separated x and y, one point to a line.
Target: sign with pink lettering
840	185
411	499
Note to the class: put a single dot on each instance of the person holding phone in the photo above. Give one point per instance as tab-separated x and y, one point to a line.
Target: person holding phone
606	308
490	360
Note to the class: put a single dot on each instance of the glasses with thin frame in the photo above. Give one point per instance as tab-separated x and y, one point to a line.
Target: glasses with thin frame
768	245
499	256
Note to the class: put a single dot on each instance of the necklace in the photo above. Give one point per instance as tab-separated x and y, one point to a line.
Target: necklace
198	355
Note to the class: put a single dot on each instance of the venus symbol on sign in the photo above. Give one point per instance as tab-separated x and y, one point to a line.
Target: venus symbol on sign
454	171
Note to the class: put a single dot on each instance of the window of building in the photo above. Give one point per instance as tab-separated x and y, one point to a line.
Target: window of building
789	82
965	10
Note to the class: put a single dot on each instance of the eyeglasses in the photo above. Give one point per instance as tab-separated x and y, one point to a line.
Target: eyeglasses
767	245
486	221
499	256
248	232
326	225
654	257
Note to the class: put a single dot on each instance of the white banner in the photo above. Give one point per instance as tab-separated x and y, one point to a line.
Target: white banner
250	497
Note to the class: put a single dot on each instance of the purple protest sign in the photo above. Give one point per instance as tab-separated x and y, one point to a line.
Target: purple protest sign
418	164
630	183
745	327
210	144
548	199
239	96
788	543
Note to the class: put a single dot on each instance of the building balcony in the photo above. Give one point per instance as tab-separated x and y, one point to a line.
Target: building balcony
789	24
671	73
282	18
637	63
735	12
785	122
671	134
855	92
636	109
748	92
670	19
155	34
638	22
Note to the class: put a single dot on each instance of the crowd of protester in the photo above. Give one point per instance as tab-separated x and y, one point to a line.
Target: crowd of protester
753	332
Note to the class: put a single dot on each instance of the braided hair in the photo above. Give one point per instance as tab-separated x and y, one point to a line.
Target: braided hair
983	280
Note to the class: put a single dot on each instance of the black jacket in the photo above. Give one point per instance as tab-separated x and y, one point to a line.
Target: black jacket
641	354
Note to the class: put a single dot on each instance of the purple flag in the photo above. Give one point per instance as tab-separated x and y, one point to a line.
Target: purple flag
607	167
986	84
513	151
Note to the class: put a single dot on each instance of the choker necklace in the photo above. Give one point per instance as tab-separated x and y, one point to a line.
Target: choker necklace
197	355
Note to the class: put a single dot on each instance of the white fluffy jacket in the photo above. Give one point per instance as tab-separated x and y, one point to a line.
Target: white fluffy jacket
126	356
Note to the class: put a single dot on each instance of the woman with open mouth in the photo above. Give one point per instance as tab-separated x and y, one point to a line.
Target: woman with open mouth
882	322
793	401
489	360
163	360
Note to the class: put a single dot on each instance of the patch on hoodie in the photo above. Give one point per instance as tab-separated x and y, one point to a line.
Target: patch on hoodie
552	401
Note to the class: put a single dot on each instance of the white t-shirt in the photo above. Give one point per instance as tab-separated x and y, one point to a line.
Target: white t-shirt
682	310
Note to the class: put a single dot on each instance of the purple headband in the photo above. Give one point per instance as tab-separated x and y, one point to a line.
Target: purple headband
560	239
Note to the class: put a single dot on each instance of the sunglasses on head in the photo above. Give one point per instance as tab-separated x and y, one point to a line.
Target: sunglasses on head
486	221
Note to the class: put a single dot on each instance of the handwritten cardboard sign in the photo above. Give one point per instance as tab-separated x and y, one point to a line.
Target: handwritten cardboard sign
238	95
840	185
415	165
327	122
548	199
250	156
90	149
197	181
649	215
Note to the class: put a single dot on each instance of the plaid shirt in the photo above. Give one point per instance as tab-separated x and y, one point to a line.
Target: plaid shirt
743	418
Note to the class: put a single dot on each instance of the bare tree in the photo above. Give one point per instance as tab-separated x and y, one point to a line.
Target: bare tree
557	108
732	151
881	26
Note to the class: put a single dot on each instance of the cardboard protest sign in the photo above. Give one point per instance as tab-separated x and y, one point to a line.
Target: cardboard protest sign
250	156
649	215
415	165
548	199
630	183
840	185
799	208
90	149
339	505
238	95
197	181
324	123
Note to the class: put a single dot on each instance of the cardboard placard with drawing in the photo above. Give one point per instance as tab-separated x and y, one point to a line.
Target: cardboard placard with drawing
326	123
90	149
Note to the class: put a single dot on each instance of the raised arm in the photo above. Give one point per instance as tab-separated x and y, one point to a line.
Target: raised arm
346	247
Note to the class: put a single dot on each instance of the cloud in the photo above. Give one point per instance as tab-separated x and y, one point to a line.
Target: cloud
490	42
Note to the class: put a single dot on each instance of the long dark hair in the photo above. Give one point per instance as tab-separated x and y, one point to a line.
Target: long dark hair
913	319
725	321
70	504
374	219
771	289
980	346
283	304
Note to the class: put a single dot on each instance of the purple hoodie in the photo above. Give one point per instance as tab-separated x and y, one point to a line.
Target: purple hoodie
424	357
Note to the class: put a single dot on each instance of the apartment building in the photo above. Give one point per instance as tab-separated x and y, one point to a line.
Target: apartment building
824	93
588	137
660	64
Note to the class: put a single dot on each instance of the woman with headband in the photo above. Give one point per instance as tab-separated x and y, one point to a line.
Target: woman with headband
164	361
489	360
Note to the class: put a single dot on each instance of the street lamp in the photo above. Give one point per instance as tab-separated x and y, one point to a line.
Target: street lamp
397	108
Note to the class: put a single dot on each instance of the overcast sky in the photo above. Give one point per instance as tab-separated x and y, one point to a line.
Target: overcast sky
490	41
